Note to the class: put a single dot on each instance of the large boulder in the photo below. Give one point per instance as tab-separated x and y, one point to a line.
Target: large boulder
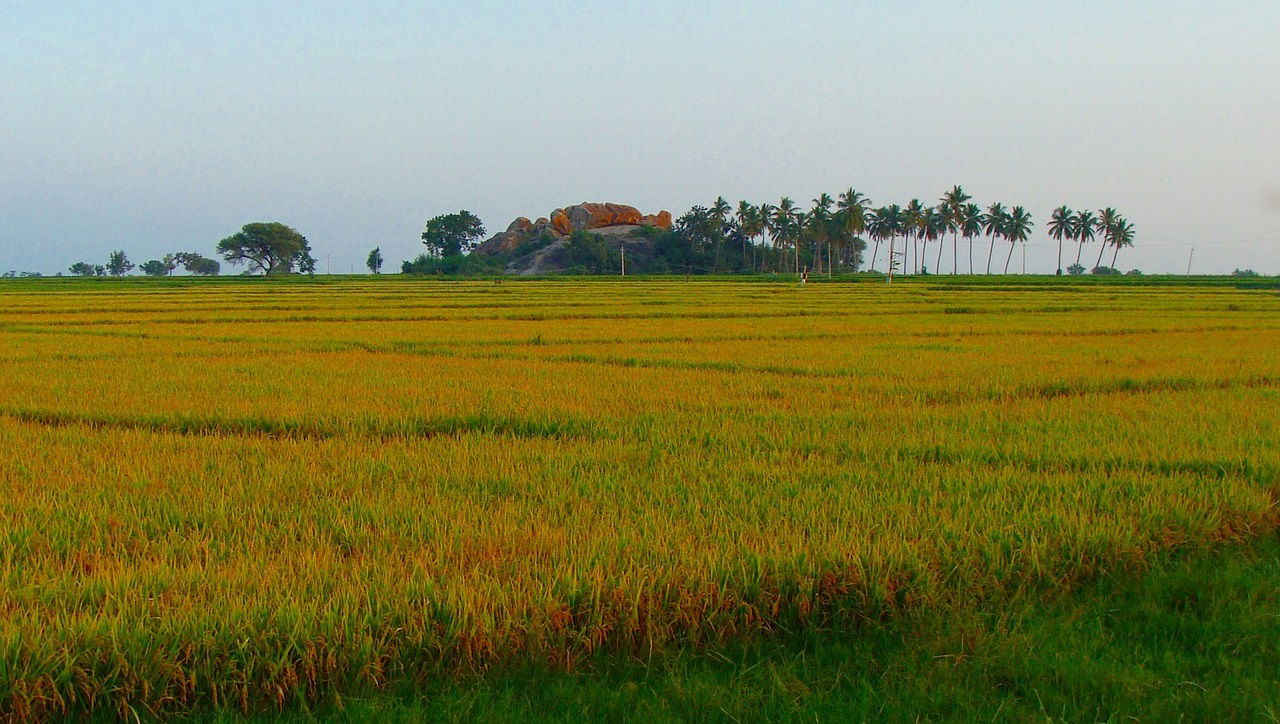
588	216
503	243
520	224
561	223
662	220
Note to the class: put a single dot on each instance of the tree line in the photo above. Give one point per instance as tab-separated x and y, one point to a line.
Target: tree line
833	234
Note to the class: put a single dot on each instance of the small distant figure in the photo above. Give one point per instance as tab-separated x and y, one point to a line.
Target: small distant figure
804	276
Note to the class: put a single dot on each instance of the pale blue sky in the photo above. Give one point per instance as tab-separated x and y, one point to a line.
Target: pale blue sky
154	127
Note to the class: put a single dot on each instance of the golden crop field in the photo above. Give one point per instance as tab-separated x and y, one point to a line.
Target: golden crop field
244	494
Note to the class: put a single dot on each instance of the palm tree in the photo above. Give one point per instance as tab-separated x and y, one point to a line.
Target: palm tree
937	224
1120	237
749	224
819	228
1083	228
971	226
894	220
851	213
766	215
1017	228
1107	225
913	219
876	229
784	217
953	205
719	216
994	224
1061	226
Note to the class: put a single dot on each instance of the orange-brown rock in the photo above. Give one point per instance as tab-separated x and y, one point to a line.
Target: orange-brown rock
587	216
662	220
561	223
520	224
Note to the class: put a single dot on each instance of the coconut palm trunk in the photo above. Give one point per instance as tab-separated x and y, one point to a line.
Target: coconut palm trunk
955	252
1079	251
990	252
1115	256
1008	258
1101	248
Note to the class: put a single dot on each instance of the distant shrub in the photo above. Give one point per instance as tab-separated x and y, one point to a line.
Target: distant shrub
1104	271
455	265
1075	270
1245	273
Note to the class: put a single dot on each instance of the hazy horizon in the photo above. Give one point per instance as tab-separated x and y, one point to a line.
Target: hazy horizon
156	128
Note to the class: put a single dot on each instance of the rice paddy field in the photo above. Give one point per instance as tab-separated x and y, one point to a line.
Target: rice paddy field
256	496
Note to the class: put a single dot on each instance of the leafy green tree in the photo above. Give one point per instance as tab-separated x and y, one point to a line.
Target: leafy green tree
452	234
592	254
196	264
118	264
271	248
155	268
1075	270
82	269
1017	229
1061	226
374	262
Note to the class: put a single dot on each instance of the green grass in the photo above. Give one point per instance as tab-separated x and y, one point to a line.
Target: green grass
1197	637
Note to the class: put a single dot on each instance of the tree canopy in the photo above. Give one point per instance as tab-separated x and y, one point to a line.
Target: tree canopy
452	234
272	248
118	264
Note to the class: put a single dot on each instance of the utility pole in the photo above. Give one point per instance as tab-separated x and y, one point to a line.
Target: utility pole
327	270
1189	258
1024	258
623	248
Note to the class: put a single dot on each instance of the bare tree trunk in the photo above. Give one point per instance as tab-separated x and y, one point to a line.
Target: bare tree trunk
891	238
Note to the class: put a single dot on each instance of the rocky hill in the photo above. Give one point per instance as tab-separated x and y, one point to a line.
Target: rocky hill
536	247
